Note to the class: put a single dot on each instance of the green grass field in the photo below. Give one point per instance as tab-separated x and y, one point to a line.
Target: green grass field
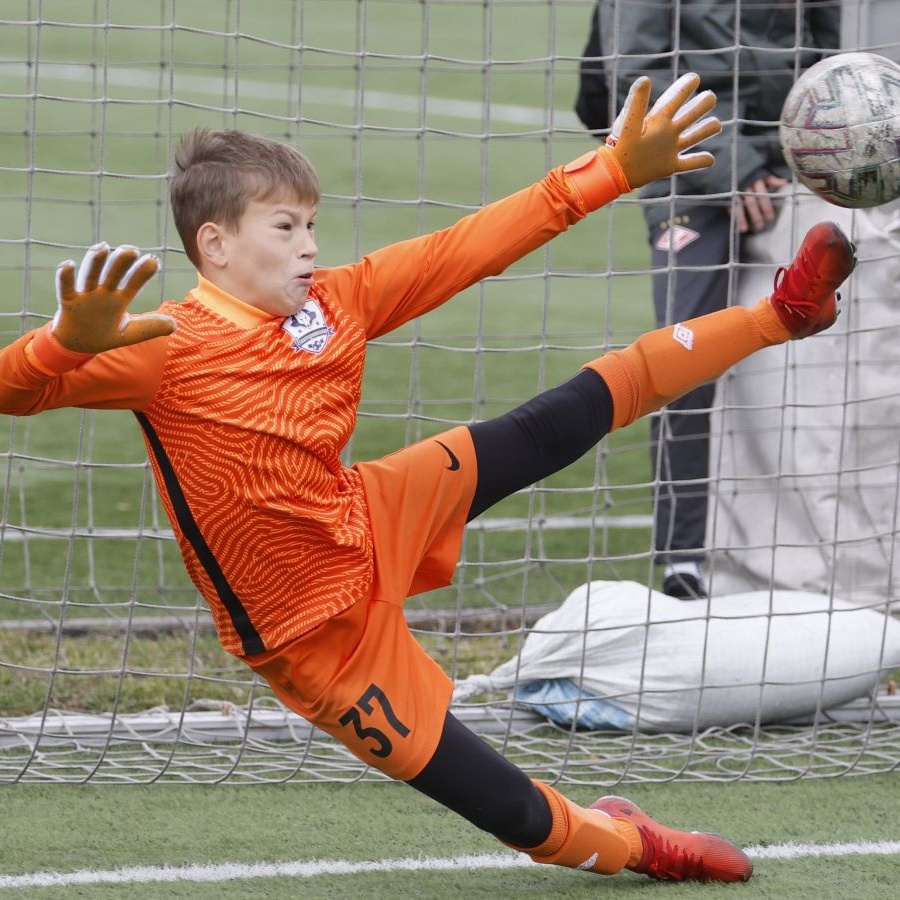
416	155
807	839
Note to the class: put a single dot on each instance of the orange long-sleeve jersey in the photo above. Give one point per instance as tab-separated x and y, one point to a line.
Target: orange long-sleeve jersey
245	416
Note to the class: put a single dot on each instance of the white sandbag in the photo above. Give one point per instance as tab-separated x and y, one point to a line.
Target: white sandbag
654	663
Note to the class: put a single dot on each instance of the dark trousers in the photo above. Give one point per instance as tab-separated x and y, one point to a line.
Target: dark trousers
687	282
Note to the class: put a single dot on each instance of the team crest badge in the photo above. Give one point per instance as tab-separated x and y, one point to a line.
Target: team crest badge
308	329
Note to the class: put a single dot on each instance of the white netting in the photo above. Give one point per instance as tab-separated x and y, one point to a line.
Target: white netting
414	112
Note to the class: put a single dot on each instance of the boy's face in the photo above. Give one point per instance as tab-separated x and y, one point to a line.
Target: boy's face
268	262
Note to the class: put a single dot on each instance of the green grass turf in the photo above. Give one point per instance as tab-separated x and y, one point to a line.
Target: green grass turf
66	828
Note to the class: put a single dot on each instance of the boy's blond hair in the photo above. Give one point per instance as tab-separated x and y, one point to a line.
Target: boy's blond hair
217	173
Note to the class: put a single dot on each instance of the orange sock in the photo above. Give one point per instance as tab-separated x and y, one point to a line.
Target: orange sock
662	365
585	838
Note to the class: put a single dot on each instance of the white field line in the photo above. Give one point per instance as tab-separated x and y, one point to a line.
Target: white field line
805	851
314	868
469	110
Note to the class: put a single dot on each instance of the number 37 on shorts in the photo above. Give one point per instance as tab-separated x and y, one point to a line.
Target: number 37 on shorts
378	742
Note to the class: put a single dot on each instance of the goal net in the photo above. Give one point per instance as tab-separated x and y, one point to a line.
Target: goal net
416	112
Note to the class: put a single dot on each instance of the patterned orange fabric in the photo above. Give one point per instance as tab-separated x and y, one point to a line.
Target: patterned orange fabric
258	460
245	415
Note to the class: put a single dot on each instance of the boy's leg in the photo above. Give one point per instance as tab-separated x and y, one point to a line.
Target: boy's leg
552	430
363	678
664	364
540	437
475	781
472	779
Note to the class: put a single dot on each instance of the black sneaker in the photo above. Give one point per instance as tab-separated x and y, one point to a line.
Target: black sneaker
684	586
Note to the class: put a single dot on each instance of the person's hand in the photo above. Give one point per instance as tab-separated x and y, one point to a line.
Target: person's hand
753	209
651	145
92	314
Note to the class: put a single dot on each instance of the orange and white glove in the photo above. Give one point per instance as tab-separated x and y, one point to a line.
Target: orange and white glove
654	144
92	314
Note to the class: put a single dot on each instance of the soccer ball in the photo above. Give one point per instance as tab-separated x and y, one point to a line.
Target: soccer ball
840	129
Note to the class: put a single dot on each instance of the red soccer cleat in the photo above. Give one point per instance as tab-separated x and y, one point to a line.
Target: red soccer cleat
672	855
804	295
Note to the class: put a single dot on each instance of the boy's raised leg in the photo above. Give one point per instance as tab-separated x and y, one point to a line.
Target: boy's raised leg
662	365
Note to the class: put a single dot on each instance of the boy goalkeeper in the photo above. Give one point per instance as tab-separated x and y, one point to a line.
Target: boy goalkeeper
247	393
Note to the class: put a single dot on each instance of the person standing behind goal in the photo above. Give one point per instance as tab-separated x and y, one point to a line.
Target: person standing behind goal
694	225
247	393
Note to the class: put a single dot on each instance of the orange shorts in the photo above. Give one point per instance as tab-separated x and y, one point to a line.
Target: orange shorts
362	676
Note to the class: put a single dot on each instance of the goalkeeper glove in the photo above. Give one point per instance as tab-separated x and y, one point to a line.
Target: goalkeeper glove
651	145
92	314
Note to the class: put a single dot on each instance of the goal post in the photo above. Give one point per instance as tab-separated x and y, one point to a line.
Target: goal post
414	112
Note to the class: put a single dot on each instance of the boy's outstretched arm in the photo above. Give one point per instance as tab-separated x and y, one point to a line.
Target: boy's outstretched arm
405	280
93	353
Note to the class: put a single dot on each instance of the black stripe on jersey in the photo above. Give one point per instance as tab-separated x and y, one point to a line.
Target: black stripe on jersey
249	636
